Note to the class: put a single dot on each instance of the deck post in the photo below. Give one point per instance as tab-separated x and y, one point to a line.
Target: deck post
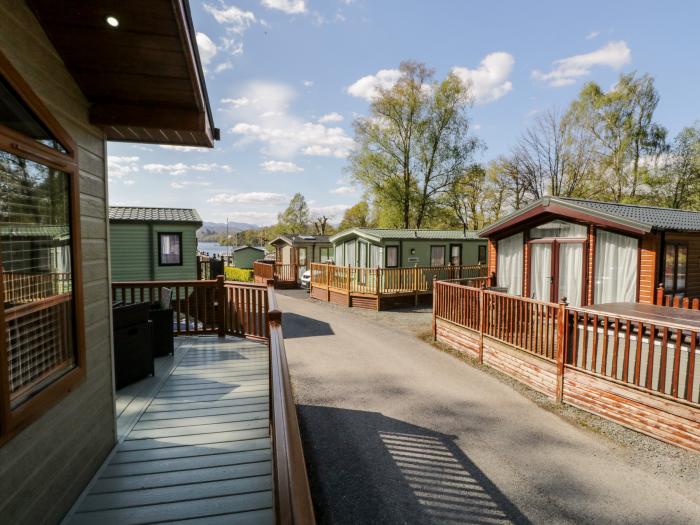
329	269
347	283
660	294
434	302
482	325
415	286
221	304
561	349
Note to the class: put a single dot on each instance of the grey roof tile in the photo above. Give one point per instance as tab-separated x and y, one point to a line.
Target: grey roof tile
140	214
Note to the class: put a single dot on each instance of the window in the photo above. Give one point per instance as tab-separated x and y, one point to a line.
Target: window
675	267
339	259
437	256
558	229
615	268
324	254
455	254
301	253
392	256
42	344
509	264
170	249
363	255
482	254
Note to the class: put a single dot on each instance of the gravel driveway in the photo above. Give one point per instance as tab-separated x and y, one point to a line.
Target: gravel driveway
397	432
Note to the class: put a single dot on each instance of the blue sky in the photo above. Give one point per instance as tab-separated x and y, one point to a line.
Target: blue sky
287	77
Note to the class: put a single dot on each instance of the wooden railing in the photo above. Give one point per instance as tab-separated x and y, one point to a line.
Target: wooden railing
281	273
263	271
658	357
388	281
286	272
292	497
206	306
675	301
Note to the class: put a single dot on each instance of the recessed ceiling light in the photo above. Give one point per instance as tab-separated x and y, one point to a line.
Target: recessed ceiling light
113	21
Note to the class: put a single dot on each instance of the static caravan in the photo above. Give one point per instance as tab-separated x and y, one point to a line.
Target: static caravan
401	248
153	244
588	252
245	256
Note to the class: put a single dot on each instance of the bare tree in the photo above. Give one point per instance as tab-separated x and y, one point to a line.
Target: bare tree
320	225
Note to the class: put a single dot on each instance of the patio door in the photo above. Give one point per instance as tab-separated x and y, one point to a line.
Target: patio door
556	271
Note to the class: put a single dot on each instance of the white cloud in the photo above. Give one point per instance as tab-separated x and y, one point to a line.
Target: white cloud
344	190
223	66
119	167
236	102
265	119
254	197
207	49
129	182
180	168
567	70
291	7
185	184
489	81
331	117
308	83
592	35
185	148
253	217
368	87
278	166
233	17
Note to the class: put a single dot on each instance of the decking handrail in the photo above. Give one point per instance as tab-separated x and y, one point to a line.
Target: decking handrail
292	496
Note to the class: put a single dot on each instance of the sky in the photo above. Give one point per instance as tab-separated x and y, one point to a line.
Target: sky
286	79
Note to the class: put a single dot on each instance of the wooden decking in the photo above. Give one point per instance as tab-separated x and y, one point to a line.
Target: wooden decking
194	443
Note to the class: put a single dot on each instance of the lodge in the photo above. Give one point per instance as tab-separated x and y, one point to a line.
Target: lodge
588	252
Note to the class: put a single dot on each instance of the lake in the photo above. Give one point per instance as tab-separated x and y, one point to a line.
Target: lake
213	248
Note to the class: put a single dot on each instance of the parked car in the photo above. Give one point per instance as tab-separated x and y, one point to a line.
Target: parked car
306	279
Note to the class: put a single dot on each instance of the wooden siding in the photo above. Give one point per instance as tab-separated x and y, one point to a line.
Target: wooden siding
648	269
45	467
693	242
134	252
492	256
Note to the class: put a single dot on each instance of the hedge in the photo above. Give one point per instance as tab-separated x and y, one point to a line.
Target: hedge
238	274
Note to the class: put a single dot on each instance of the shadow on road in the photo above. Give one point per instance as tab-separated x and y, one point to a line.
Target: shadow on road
368	468
295	325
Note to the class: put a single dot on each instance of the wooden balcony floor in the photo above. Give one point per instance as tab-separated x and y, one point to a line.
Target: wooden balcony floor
197	449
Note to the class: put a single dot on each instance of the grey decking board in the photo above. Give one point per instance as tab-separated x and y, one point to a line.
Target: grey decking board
177	493
201	412
241	415
181	477
167	512
256	517
200	448
187	463
258	440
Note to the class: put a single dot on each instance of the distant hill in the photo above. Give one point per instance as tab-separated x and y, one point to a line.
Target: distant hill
212	230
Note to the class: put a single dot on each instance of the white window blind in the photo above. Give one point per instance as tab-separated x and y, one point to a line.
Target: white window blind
615	268
509	264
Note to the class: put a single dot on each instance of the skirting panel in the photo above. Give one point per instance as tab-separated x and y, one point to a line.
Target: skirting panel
662	419
320	294
369	303
457	337
533	371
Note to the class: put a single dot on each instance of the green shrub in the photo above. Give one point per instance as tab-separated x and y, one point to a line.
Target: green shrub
238	274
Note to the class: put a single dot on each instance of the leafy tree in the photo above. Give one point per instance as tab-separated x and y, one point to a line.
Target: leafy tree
676	183
622	130
466	197
297	217
414	144
357	216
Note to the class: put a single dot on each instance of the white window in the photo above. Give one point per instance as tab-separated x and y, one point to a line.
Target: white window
615	268
339	259
392	256
437	256
509	264
170	252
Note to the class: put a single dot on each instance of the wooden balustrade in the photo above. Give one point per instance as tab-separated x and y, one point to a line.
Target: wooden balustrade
286	272
282	274
206	306
675	301
292	497
657	357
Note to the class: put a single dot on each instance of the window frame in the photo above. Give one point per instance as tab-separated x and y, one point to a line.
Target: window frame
12	420
386	256
676	246
160	249
482	249
444	255
459	247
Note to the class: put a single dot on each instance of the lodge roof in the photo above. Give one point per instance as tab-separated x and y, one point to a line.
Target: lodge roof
297	239
635	217
246	247
155	215
383	234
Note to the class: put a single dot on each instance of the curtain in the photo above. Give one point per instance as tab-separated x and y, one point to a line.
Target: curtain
375	256
350	254
339	255
570	272
541	271
615	268
509	265
363	255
